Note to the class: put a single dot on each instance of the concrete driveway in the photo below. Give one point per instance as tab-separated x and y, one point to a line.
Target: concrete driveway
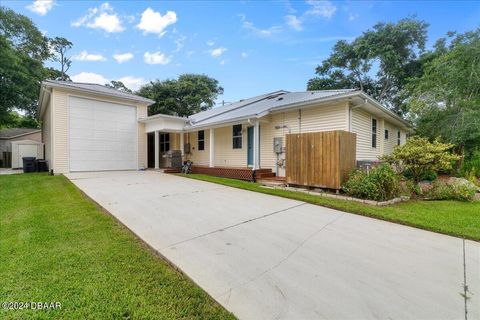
264	257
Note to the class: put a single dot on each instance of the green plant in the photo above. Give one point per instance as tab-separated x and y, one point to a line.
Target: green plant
471	166
459	190
418	157
380	184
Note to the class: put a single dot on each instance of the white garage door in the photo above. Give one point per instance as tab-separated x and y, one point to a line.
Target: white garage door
103	136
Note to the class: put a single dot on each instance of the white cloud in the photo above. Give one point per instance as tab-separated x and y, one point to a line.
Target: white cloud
104	18
217	52
321	8
130	82
133	83
265	33
180	43
41	7
294	22
223	62
85	56
90	77
154	22
123	57
210	43
244	55
156	58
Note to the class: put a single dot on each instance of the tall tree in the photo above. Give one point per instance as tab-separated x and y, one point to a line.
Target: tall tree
379	62
445	101
118	85
60	46
189	94
23	35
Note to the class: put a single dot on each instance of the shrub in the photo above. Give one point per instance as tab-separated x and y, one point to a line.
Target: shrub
471	166
380	184
418	157
458	189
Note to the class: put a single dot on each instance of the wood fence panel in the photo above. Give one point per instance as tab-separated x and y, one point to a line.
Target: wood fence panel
320	159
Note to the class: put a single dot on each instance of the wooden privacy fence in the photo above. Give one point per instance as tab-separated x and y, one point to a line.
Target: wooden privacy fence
320	159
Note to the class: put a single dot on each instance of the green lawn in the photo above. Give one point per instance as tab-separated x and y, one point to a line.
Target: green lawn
461	219
56	245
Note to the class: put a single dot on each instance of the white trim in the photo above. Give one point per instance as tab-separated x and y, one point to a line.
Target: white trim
212	148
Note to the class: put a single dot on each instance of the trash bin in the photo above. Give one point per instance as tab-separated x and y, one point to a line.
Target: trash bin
29	164
42	165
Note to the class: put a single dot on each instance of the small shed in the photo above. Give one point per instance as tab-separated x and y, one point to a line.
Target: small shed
25	148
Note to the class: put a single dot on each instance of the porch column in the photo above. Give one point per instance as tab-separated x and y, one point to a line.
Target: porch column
181	143
256	145
157	146
212	148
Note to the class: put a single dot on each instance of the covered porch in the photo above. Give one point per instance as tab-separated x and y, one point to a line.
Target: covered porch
228	150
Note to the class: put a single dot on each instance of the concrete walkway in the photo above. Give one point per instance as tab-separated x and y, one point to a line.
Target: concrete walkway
264	257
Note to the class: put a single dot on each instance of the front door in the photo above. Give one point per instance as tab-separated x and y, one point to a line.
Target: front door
250	146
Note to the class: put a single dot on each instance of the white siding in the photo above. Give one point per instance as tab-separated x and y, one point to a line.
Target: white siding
202	157
315	119
362	126
47	132
225	155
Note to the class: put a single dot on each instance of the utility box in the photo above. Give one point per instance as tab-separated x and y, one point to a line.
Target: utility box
277	144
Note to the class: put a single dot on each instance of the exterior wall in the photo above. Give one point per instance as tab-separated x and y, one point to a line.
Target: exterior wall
47	133
315	119
58	125
142	138
362	126
225	155
201	158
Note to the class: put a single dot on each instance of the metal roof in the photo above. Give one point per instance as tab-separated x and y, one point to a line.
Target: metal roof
260	105
15	132
96	88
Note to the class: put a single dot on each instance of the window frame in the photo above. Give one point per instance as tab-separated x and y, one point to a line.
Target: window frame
386	134
201	147
374	128
237	140
399	137
164	141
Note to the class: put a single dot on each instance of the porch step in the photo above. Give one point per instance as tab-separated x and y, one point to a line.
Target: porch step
172	170
273	181
261	175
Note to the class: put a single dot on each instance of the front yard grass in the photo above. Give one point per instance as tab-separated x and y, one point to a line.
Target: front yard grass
56	245
460	219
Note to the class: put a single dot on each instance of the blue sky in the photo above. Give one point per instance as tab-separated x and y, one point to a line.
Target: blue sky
250	47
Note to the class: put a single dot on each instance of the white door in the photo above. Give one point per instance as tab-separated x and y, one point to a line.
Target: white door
103	136
26	150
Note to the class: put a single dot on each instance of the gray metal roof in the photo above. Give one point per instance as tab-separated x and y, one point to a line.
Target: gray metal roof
14	132
96	88
260	105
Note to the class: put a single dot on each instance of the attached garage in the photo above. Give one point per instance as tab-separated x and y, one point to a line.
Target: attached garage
89	127
103	135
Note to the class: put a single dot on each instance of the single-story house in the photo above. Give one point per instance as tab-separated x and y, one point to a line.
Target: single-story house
27	138
89	127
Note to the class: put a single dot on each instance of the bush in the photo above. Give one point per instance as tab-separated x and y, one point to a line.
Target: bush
418	157
380	184
471	166
458	189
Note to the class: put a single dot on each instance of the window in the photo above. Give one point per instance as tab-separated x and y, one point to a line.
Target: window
386	134
164	142
201	140
398	137
237	136
374	133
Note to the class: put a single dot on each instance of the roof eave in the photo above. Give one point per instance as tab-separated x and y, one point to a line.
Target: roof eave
139	100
